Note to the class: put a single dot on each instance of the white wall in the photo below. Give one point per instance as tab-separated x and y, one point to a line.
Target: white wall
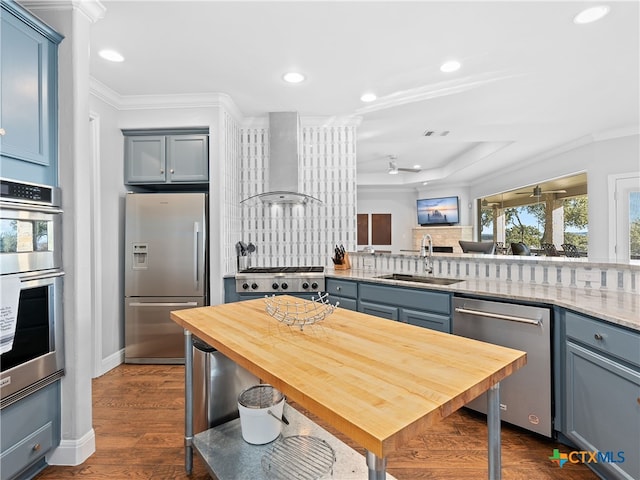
108	216
599	159
401	204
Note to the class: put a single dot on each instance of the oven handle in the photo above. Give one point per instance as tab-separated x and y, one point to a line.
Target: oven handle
41	276
500	316
30	208
163	304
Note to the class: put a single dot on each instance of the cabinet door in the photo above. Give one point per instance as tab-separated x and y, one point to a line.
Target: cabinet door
603	410
375	309
187	158
28	96
145	159
441	323
30	428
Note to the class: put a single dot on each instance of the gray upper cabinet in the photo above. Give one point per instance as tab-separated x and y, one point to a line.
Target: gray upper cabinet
28	97
602	394
166	156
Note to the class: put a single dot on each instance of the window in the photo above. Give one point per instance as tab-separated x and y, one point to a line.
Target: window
554	212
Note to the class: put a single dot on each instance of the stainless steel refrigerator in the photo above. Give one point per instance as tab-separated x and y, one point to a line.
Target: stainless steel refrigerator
165	269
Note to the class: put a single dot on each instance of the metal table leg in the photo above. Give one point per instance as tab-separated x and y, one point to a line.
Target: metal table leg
377	466
493	424
188	402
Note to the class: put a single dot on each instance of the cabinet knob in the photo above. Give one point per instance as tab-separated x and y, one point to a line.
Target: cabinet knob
598	336
36	447
338	288
2	131
161	171
172	171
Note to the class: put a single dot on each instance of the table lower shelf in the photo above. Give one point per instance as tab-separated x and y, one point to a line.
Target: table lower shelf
229	457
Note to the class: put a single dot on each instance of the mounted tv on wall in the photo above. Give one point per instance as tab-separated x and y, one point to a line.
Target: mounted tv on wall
438	211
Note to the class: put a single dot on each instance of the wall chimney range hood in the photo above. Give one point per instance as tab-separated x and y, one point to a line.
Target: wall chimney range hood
284	152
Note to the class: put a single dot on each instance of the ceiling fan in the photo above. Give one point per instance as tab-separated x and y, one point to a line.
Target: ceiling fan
537	192
394	169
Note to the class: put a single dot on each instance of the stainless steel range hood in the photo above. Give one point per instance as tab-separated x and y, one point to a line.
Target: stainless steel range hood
284	152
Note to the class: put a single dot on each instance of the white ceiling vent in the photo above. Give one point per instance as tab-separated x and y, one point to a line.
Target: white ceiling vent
434	133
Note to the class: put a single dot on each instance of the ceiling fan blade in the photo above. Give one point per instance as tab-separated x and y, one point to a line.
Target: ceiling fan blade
412	170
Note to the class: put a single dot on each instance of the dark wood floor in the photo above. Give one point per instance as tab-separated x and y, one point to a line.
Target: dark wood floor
138	417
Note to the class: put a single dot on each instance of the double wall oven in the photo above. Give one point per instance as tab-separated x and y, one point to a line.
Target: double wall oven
31	336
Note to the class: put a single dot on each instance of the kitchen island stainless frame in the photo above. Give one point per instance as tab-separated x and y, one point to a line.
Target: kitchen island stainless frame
418	346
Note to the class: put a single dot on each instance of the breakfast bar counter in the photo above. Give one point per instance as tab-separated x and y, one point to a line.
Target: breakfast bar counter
379	382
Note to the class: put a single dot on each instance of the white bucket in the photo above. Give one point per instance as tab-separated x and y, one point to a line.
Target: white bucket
258	426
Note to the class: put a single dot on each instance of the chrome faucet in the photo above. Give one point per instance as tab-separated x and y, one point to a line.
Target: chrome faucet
427	253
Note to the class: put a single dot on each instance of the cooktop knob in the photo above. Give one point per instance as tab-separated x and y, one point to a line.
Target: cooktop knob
284	286
245	286
305	285
314	285
274	286
254	286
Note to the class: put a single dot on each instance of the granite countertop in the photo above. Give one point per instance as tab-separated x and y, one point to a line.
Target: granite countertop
619	308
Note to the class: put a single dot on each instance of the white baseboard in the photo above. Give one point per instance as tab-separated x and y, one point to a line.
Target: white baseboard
111	362
73	452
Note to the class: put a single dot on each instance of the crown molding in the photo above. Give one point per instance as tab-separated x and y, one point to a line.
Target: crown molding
94	10
153	102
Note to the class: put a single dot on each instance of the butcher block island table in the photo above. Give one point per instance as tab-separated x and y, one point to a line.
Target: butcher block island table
377	381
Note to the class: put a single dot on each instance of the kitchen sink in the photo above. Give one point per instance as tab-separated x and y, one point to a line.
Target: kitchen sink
419	279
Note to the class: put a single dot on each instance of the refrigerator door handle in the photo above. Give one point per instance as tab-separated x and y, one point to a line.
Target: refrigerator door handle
163	304
196	232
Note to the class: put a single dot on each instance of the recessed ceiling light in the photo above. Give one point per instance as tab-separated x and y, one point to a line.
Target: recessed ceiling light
591	14
368	97
111	55
293	77
417	167
450	66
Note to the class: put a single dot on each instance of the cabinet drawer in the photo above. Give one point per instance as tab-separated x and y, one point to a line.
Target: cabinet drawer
407	298
346	303
26	451
377	310
606	338
343	288
433	321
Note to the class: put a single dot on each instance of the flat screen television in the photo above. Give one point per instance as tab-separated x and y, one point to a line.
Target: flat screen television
438	211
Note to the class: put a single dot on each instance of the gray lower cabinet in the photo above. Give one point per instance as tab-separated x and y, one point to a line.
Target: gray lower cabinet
344	292
163	157
28	97
424	308
30	428
602	394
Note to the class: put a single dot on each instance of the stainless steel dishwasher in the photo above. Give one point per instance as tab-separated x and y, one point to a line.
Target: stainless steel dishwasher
525	396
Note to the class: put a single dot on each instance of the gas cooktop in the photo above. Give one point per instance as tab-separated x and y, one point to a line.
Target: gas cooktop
280	279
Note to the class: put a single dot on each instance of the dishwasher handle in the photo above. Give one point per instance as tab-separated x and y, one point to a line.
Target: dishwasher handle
499	316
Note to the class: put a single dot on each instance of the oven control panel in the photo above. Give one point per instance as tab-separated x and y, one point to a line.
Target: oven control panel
26	192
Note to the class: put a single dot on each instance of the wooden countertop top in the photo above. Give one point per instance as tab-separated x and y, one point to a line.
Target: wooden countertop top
377	381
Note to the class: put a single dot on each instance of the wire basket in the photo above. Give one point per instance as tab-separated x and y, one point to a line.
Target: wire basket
301	312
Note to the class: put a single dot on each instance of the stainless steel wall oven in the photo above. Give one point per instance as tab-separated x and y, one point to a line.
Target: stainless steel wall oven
31	260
